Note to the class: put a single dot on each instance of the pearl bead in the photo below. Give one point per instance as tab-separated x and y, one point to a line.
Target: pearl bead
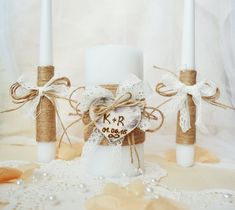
19	182
83	187
51	198
154	181
123	174
149	189
101	178
45	174
227	195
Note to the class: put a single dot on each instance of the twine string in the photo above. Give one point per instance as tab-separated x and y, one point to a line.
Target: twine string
151	116
76	113
132	146
162	90
124	100
35	94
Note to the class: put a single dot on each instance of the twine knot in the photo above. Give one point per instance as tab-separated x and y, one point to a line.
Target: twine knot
124	100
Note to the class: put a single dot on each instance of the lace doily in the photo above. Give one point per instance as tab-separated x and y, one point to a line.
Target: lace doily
61	185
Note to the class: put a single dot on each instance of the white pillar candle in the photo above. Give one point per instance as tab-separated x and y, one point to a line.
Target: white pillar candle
46	150
185	153
111	64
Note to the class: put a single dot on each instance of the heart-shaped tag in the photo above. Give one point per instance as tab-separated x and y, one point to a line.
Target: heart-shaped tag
117	123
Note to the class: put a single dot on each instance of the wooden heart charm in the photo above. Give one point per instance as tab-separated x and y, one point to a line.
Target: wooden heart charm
117	123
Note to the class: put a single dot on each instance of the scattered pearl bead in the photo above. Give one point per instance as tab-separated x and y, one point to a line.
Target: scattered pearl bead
154	181
123	174
227	195
53	200
83	187
45	174
101	178
19	182
149	189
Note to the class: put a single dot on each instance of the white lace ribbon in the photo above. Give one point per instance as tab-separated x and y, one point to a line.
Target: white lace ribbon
204	88
48	90
138	88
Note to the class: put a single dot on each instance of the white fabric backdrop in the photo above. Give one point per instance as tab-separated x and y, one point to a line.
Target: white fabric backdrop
152	25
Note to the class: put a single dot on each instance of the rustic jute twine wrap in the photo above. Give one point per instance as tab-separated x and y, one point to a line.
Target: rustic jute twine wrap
188	77
138	135
46	116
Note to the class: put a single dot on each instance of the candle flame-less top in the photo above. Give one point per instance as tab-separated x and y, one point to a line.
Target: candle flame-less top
111	64
45	46
188	41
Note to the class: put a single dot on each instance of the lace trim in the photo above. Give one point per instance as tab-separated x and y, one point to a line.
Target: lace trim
61	184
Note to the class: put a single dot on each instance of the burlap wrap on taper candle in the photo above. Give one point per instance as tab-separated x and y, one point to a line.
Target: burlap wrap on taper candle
46	116
188	77
139	135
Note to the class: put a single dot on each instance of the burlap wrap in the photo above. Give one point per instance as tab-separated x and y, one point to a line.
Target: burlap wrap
45	121
139	135
188	77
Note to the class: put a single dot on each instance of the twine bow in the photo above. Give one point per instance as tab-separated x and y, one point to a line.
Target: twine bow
22	93
124	100
56	88
178	91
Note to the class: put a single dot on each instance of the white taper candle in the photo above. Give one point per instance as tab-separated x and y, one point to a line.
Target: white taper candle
45	47
46	150
185	154
188	41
